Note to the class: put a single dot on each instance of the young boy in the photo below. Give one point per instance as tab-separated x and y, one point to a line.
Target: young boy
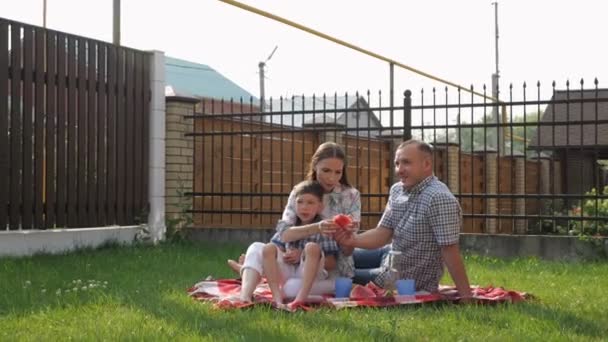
318	251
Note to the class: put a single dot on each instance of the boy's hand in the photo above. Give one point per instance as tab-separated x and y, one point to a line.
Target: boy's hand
292	256
328	227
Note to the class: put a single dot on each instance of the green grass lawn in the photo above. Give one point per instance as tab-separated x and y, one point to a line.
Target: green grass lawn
138	293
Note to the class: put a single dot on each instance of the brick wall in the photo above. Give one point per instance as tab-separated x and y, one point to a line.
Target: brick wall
179	152
491	184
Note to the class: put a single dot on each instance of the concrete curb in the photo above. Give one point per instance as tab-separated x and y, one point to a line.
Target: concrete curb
542	246
245	236
496	245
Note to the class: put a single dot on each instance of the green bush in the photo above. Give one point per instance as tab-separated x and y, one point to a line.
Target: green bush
590	208
557	226
176	225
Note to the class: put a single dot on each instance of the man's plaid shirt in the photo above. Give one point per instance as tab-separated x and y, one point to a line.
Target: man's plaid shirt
423	219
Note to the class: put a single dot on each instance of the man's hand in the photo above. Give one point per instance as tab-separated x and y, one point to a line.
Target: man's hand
373	238
453	261
353	226
292	256
345	238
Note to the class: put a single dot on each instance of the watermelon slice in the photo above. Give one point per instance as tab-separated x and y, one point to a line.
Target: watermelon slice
342	220
360	291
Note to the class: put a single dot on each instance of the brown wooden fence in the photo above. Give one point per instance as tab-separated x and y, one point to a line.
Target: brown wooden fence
248	172
370	170
254	173
73	130
242	179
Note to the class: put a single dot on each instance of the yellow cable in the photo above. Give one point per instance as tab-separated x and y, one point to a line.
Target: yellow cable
351	46
367	52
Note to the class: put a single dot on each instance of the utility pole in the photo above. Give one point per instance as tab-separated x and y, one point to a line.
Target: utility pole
496	117
391	94
116	22
261	65
44	13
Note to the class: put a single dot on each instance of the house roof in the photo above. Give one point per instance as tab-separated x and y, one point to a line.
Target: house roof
564	134
189	79
334	105
328	111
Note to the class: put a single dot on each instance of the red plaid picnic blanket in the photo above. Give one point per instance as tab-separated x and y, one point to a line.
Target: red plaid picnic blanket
224	293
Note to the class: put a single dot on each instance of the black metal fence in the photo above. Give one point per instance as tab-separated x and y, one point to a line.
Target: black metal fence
73	130
534	162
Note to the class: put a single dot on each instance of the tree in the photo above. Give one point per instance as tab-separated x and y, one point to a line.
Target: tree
517	135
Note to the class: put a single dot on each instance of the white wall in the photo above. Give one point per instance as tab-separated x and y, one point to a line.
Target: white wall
53	241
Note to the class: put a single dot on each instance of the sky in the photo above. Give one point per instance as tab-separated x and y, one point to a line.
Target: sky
540	40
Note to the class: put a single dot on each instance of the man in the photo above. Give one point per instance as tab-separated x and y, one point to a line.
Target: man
422	220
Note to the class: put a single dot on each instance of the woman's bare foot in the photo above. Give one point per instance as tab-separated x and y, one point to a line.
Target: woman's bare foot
235	266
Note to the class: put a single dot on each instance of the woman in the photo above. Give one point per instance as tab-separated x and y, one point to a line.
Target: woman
328	167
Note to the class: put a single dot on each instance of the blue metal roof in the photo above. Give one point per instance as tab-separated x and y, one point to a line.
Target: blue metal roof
198	80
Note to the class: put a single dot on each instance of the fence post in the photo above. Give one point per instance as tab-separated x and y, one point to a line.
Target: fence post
156	164
545	175
407	115
448	158
395	138
557	176
520	189
453	167
491	188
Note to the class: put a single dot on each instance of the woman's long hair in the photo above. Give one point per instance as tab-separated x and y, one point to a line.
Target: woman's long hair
324	151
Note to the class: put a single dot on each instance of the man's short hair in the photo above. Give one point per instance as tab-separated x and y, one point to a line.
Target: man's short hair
423	147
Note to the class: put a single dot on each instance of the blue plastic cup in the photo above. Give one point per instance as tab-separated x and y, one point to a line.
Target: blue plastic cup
343	286
406	287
